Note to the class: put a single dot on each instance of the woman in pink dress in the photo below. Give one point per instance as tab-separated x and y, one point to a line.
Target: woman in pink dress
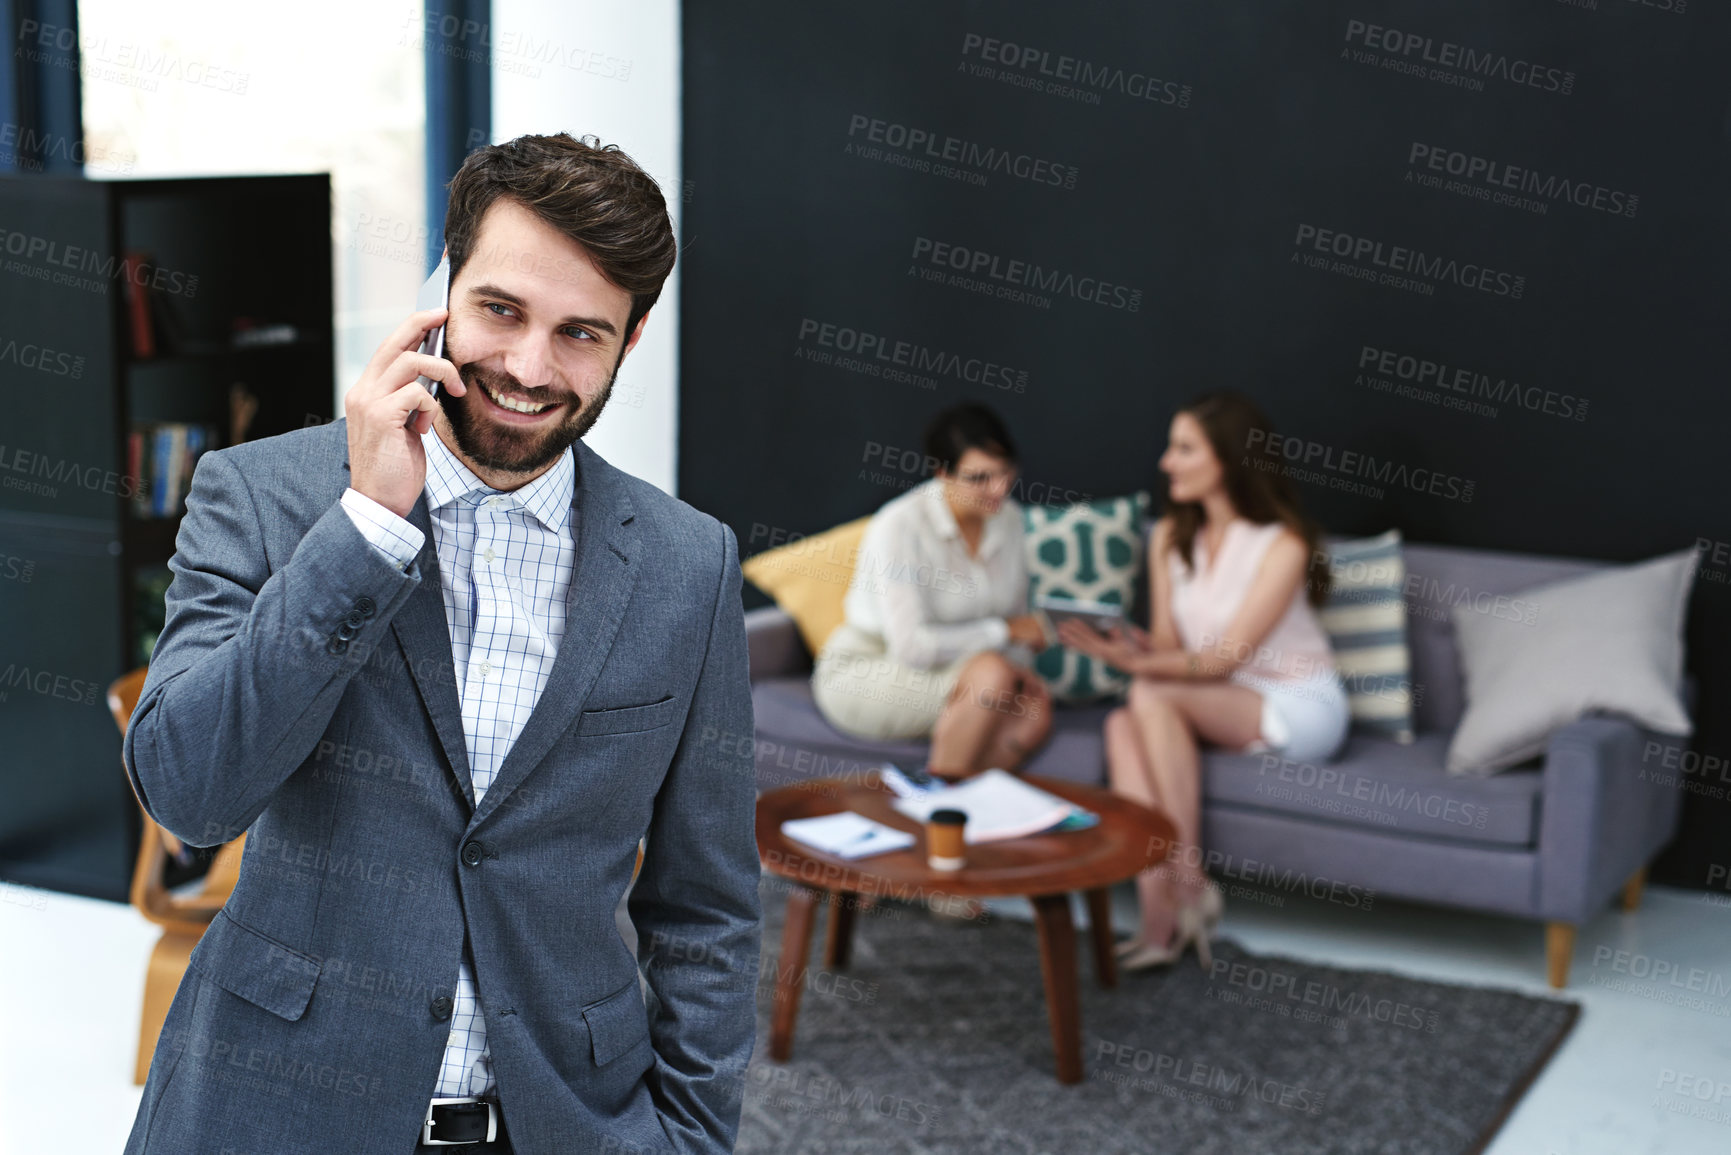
1237	656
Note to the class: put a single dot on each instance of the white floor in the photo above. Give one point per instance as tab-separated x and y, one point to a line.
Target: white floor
1640	1075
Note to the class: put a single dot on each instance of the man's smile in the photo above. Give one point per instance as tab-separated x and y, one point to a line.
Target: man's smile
515	404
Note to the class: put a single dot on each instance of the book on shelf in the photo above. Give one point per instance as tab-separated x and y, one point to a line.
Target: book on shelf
160	456
165	322
134	268
154	323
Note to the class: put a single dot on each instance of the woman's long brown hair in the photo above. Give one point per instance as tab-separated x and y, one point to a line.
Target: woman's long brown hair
1227	418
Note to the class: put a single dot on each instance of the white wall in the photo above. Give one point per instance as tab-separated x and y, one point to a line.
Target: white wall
611	69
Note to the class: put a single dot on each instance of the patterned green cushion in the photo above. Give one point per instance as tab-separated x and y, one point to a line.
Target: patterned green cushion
1092	551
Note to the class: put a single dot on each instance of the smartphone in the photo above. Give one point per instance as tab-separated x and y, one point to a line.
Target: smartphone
915	774
434	294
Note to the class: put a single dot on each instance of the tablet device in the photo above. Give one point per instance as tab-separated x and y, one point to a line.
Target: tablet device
1101	616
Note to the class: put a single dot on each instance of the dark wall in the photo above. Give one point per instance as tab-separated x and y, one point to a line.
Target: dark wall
1478	250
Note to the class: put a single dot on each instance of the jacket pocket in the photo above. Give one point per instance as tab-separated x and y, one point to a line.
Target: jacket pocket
628	719
617	1023
256	967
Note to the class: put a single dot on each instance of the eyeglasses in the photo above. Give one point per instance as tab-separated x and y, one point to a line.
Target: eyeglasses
983	477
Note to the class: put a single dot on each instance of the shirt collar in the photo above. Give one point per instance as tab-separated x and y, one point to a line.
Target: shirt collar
547	498
943	519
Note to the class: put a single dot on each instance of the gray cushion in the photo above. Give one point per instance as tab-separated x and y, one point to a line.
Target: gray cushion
1441	578
1610	642
1384	786
1288	855
1375	784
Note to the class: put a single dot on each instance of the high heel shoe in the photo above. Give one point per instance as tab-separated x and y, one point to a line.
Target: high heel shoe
1194	927
1145	956
1212	905
1128	947
1194	923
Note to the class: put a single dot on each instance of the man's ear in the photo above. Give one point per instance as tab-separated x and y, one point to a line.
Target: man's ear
636	332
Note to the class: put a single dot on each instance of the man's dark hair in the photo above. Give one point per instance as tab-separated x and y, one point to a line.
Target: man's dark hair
954	431
593	193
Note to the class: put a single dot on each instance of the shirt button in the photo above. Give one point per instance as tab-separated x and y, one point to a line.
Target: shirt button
441	1007
486	668
488	554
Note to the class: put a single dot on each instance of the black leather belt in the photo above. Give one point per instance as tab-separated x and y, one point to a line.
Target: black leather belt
455	1122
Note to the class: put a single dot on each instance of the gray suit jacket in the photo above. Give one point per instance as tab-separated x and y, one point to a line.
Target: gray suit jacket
315	1012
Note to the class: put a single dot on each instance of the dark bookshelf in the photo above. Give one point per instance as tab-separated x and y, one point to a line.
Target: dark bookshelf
226	259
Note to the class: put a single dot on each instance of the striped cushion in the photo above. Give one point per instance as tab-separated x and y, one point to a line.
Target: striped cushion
1365	618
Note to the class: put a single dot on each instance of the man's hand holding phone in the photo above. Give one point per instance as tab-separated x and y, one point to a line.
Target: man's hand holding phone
388	409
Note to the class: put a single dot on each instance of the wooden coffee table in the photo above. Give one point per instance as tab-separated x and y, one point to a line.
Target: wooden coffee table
1045	868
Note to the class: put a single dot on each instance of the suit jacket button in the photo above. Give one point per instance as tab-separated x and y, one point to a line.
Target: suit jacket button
441	1007
473	852
346	630
355	618
365	606
336	645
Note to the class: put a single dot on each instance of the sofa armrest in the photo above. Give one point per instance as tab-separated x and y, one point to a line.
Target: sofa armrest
1607	809
773	643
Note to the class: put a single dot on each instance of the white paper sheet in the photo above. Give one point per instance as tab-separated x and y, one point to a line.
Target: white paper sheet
998	805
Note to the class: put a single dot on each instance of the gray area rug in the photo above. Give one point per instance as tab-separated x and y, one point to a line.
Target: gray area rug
934	1041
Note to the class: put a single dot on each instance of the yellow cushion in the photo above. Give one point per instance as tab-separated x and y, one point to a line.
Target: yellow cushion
808	578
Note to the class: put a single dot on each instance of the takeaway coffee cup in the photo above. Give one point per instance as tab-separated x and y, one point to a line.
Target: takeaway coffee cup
944	842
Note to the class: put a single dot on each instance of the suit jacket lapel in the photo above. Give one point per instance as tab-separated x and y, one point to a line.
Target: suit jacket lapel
607	563
425	637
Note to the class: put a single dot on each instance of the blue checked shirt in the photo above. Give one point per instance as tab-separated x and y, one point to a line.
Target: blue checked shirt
505	560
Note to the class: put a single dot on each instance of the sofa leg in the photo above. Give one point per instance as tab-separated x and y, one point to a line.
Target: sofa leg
1632	889
1559	952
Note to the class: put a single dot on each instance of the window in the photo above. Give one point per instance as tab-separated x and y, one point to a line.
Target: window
210	87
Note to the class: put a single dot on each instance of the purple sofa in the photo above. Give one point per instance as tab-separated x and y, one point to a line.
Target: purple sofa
1554	842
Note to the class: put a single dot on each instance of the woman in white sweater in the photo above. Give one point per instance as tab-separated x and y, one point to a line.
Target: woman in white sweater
937	639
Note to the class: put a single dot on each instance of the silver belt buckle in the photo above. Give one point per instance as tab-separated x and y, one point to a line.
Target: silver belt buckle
427	1125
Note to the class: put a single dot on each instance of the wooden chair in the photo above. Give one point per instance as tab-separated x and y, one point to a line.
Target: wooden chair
183	918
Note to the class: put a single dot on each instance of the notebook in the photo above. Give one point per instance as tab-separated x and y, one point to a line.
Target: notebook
846	834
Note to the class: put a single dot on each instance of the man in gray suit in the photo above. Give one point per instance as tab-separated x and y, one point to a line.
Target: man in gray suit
446	667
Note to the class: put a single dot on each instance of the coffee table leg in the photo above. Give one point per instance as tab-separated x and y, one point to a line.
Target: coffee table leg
790	969
1100	926
838	937
1058	964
